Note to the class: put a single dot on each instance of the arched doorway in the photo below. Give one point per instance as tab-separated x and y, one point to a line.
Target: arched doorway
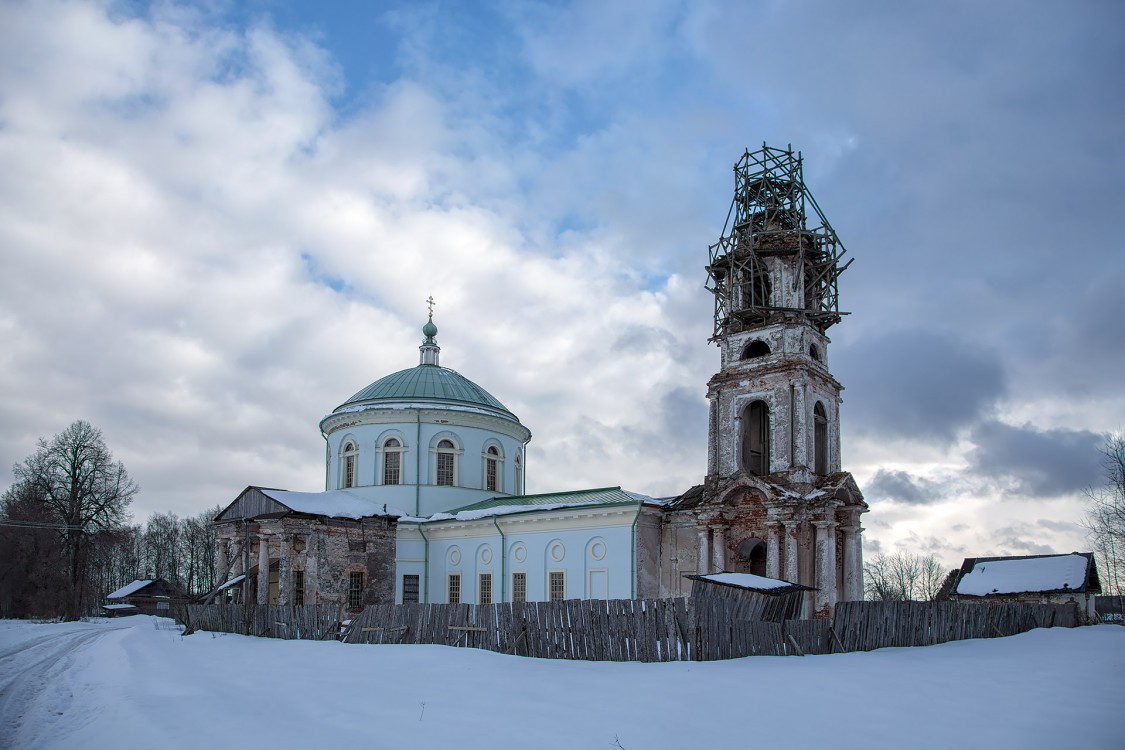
750	557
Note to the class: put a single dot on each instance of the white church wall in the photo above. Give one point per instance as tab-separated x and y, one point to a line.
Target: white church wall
419	459
594	551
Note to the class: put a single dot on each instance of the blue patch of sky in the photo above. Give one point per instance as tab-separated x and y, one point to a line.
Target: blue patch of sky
315	273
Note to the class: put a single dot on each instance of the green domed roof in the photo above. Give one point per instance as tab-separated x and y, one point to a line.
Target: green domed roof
428	383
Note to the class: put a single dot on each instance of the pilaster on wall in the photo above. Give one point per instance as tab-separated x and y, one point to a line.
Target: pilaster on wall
853	563
263	569
773	550
825	598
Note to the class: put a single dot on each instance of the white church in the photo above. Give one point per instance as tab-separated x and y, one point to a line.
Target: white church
425	470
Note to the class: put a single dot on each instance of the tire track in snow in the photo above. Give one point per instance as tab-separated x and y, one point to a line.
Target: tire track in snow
28	672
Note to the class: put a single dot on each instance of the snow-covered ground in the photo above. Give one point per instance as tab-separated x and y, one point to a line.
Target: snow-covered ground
136	682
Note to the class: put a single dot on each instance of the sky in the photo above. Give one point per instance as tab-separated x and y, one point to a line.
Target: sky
220	220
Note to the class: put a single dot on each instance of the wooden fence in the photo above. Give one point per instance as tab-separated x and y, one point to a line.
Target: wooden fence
311	622
615	630
863	626
647	630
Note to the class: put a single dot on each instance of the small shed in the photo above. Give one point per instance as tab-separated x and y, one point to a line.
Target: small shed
1037	579
756	597
145	597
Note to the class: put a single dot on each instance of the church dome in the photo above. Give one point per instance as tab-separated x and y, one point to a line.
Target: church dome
426	383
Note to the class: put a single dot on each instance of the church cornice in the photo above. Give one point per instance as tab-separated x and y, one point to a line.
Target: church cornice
410	413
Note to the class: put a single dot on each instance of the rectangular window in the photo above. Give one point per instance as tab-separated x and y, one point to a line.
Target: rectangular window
486	588
490	474
409	589
355	590
349	471
392	467
454	588
445	469
557	586
298	587
519	587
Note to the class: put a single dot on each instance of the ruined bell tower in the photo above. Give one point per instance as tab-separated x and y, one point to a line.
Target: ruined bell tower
775	501
773	273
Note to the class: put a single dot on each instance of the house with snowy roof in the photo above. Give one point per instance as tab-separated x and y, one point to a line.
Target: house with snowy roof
425	471
144	597
1040	579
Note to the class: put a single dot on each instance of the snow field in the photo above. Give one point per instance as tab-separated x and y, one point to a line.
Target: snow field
136	682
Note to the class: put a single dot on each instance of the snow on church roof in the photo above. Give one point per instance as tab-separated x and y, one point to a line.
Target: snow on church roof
1016	575
331	503
500	506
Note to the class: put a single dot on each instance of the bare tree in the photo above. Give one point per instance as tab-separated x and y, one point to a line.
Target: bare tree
1105	514
31	560
902	577
75	476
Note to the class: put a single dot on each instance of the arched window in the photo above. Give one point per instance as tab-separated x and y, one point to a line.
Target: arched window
519	476
392	461
347	469
756	349
446	463
492	469
814	353
756	439
820	440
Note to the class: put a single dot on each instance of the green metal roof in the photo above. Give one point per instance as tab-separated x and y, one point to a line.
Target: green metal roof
601	496
427	383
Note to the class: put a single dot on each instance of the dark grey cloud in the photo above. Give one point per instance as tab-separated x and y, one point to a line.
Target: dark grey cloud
917	384
1034	462
903	487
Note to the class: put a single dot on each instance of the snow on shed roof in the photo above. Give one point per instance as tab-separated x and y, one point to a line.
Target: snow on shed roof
751	582
131	588
231	582
115	607
1017	575
746	580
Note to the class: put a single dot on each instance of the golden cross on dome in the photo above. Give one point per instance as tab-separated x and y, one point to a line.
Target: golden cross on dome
430	304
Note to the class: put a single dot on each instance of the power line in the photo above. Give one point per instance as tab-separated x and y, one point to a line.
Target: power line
39	525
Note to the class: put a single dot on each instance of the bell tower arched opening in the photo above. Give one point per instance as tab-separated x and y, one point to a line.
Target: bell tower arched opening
756	439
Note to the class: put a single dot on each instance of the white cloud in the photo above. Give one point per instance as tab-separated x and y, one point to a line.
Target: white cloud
204	251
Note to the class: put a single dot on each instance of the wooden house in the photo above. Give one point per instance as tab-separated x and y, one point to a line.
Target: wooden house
1040	579
145	597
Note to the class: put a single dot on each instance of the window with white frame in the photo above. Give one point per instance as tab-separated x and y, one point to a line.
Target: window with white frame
519	587
556	586
446	463
453	588
484	581
392	461
347	468
492	469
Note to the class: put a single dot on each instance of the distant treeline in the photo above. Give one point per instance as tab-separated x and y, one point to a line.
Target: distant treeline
64	538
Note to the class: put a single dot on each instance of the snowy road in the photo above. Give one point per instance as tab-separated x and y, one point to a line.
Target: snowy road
34	678
137	682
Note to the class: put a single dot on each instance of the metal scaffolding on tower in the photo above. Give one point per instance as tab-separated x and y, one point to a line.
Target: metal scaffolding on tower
774	220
